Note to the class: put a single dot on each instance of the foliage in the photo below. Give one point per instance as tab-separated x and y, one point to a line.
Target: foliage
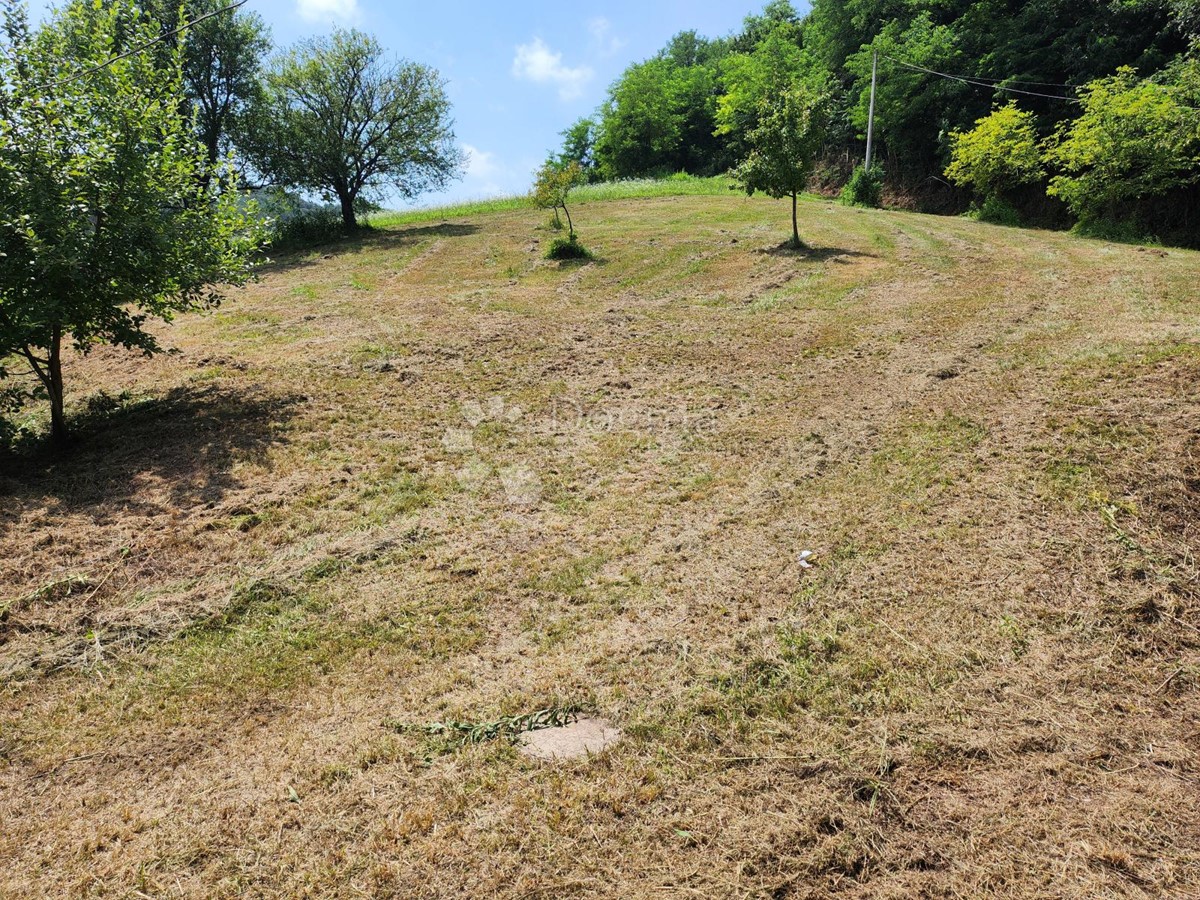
579	144
659	117
567	248
998	211
752	78
865	187
756	28
999	153
338	118
1134	141
222	72
1045	43
912	109
552	187
108	218
784	146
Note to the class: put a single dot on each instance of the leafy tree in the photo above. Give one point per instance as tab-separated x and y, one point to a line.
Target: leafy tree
1134	141
223	53
660	116
756	28
784	147
752	78
1186	14
641	128
222	71
578	147
912	109
1001	152
105	219
339	119
552	187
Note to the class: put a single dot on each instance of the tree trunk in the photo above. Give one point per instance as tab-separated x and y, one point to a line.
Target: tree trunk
795	226
54	386
570	224
212	152
348	218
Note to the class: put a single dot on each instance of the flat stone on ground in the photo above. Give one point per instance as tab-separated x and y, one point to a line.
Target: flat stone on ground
580	738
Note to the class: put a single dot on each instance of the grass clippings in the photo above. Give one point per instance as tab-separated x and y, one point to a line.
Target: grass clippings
425	473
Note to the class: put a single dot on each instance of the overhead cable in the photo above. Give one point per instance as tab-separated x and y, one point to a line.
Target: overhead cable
148	44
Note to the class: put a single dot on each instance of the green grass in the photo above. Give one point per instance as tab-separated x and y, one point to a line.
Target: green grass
629	189
698	407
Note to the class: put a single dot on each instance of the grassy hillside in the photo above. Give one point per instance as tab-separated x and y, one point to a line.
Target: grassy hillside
429	477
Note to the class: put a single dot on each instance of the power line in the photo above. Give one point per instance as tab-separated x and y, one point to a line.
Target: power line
1072	87
976	82
996	85
148	44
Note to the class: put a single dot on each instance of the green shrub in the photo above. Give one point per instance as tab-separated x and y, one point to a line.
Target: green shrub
1116	231
1000	153
567	248
998	212
865	188
1135	141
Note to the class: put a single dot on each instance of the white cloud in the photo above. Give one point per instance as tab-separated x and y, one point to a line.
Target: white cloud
325	10
601	31
481	164
538	63
487	176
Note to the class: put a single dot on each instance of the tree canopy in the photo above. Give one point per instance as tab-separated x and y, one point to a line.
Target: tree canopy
1000	153
1135	141
341	119
944	66
222	72
108	216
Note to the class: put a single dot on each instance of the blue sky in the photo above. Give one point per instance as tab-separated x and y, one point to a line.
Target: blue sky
518	73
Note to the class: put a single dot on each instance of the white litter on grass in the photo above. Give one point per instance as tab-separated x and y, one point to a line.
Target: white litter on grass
583	737
805	556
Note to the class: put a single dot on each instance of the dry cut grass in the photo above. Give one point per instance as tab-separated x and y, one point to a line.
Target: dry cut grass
429	485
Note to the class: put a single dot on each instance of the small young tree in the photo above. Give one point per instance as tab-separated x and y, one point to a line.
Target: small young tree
105	221
784	146
552	187
1000	153
341	120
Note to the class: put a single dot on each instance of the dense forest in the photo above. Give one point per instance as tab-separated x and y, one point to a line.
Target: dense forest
1107	92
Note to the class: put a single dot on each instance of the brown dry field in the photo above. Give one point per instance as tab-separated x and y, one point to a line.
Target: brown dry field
429	477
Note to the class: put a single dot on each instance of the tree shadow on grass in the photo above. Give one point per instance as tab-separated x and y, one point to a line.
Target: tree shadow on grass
365	239
805	253
187	440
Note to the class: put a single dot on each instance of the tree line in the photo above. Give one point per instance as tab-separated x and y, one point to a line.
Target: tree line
1109	92
333	116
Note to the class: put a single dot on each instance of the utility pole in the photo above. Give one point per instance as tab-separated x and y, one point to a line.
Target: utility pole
871	110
